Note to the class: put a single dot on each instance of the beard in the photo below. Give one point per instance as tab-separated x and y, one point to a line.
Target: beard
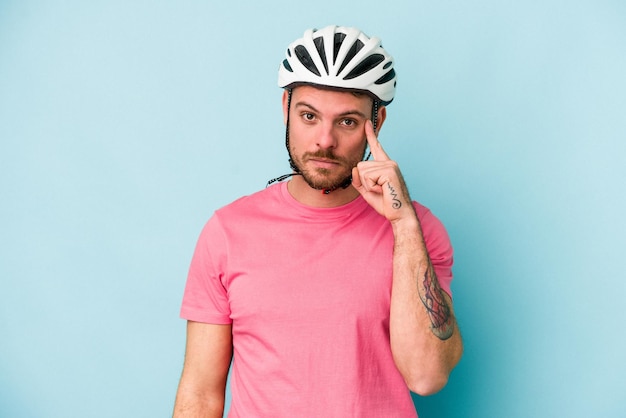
322	178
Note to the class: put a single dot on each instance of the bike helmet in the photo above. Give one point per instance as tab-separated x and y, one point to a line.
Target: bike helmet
342	58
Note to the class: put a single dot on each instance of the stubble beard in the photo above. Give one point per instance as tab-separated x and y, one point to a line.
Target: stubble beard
322	178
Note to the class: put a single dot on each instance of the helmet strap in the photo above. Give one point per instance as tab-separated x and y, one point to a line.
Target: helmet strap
375	106
291	163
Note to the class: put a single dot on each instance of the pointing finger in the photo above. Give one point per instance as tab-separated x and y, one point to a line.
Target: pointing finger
372	140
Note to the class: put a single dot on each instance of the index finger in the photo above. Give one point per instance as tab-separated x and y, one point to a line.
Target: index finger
376	149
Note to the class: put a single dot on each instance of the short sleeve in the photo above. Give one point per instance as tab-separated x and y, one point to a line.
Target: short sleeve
438	246
205	298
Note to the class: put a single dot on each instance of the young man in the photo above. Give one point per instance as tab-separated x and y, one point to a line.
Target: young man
329	292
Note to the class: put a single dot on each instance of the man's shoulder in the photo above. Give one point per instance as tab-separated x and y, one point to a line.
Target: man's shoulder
254	202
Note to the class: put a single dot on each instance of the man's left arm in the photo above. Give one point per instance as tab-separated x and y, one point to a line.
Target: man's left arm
425	340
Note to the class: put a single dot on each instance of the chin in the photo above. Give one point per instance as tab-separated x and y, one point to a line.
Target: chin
318	183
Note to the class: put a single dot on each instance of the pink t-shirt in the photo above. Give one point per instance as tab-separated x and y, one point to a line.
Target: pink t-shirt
307	291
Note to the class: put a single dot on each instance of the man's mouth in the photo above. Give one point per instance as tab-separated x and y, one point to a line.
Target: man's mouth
324	162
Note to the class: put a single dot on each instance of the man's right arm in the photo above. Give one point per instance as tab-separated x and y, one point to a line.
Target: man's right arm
203	382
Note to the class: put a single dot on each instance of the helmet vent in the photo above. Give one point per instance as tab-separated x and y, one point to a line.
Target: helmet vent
389	76
364	66
319	45
339	37
287	66
306	60
356	47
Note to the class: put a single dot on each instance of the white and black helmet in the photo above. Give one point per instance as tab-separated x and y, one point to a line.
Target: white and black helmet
340	57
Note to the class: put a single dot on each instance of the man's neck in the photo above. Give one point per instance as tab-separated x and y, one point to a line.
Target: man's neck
305	194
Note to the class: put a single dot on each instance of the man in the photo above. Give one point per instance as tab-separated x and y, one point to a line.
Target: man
329	292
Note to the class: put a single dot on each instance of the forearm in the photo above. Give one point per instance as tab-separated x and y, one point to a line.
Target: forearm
425	341
193	404
202	386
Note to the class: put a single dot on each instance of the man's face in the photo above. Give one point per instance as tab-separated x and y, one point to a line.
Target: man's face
326	133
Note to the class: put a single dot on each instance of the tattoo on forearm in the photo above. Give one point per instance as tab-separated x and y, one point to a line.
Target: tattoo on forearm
441	319
396	203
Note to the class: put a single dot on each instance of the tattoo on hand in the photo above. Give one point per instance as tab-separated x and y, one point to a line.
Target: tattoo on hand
442	323
396	204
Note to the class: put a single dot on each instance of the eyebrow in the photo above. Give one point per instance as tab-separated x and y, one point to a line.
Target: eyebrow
343	114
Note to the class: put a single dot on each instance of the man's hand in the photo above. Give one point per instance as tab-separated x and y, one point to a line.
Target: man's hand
380	182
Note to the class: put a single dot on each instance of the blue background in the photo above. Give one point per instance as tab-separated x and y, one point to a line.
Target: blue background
124	124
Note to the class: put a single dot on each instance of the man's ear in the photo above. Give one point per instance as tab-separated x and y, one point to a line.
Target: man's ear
382	115
285	105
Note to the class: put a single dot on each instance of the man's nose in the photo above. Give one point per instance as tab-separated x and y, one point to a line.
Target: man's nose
327	137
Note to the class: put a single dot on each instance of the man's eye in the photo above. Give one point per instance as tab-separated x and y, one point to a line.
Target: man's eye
308	116
348	122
